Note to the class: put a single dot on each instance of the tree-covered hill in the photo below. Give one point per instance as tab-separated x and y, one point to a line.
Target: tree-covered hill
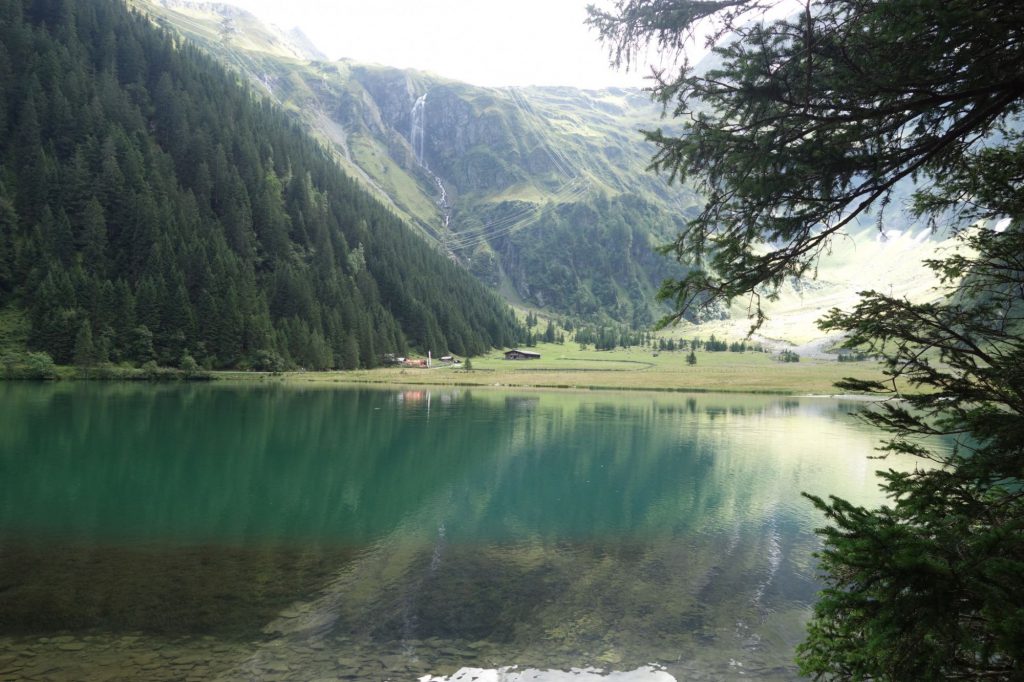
541	193
152	207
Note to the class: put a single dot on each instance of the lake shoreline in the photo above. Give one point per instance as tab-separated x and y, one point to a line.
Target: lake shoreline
624	381
357	378
557	368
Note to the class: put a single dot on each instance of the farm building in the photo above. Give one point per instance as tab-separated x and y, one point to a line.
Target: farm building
516	354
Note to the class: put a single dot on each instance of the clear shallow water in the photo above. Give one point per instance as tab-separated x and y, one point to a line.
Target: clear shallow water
250	532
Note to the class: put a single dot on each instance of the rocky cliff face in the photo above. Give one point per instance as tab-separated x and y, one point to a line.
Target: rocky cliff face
472	140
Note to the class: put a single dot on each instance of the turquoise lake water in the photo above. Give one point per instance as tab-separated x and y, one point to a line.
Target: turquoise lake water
269	532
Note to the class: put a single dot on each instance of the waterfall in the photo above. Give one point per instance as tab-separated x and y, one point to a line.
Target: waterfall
443	201
417	140
417	134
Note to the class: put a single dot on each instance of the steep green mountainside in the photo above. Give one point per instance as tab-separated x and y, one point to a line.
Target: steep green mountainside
541	193
154	208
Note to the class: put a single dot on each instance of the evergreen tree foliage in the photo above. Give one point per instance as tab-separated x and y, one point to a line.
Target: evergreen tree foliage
810	122
595	260
805	125
85	349
549	332
715	346
143	188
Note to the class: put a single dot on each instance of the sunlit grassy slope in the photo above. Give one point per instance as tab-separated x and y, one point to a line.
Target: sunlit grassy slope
210	22
865	260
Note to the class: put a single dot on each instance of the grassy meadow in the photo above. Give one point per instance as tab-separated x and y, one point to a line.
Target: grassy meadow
569	367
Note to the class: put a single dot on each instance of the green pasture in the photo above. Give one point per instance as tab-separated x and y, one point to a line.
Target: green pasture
567	366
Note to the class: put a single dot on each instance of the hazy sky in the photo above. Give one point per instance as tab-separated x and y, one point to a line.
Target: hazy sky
484	42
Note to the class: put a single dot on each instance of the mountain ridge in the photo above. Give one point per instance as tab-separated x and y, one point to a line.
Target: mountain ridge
503	175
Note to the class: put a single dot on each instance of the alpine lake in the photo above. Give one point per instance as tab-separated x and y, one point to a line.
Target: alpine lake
268	532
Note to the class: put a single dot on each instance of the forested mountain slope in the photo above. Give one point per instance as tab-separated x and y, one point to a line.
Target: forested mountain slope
541	193
153	206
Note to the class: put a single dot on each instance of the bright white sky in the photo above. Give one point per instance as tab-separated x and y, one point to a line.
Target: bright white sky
483	42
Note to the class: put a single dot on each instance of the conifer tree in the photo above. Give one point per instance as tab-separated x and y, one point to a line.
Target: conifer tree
85	348
8	225
549	332
805	125
93	237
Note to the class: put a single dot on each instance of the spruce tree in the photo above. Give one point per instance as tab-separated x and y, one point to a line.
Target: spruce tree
85	348
8	226
805	125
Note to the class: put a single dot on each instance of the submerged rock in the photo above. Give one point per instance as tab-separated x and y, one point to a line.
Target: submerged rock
509	674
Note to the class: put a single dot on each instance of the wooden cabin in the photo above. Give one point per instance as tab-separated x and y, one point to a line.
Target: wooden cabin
516	354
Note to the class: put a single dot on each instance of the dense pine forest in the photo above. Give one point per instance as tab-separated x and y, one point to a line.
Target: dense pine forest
153	208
